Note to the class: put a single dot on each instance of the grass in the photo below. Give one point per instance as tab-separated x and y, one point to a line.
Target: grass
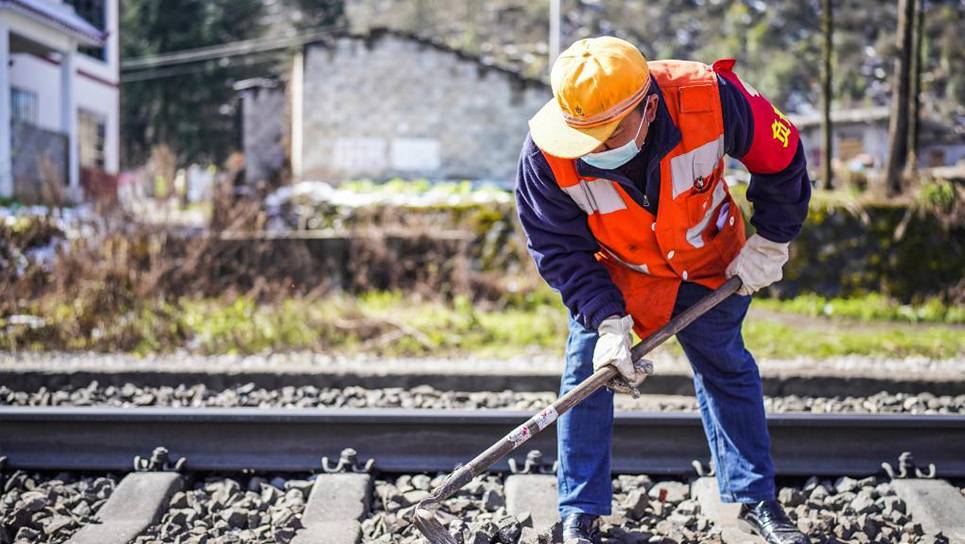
394	325
771	339
384	323
870	307
390	324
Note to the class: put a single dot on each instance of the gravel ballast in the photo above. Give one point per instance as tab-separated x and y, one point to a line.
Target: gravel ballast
425	397
38	508
647	511
853	365
49	508
852	375
228	511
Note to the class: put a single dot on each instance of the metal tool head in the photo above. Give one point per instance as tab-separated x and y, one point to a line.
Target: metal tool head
429	525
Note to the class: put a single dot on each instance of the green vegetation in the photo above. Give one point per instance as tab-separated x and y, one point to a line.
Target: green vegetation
846	290
193	112
777	44
871	307
855	245
939	195
852	245
383	323
397	186
773	339
391	324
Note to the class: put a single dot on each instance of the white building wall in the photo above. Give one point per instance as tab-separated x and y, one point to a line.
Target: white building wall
42	78
96	87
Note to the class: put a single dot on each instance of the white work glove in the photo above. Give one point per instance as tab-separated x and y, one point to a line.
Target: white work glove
613	348
758	264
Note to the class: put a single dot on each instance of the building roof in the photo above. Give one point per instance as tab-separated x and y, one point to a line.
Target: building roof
377	33
856	115
60	15
939	129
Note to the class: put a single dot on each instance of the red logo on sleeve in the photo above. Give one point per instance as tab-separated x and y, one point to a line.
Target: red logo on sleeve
775	137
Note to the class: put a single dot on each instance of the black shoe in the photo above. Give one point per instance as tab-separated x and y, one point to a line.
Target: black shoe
583	528
768	520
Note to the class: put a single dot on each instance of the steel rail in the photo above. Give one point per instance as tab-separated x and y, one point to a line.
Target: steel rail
402	440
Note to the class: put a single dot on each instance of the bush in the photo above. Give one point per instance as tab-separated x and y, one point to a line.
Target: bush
119	285
939	195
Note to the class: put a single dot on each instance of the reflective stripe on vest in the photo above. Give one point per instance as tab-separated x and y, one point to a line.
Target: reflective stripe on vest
694	164
596	196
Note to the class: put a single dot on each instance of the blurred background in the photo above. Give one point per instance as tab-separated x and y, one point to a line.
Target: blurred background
263	176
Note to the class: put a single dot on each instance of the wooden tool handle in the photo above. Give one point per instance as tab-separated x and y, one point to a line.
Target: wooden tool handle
587	387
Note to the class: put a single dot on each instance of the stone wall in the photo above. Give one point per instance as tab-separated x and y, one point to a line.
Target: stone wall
888	249
390	105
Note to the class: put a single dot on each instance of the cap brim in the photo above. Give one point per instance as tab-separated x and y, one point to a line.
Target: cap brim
552	135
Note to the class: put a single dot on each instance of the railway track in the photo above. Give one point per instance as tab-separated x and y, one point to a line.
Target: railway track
163	501
404	440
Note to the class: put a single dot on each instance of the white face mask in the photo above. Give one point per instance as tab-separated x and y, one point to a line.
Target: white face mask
618	156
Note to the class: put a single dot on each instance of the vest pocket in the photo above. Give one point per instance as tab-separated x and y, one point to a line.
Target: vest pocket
729	240
702	210
698	205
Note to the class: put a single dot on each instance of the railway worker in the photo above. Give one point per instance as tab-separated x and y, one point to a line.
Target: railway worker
621	195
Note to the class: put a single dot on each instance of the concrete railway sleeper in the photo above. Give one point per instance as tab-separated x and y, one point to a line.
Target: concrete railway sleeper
355	506
254	475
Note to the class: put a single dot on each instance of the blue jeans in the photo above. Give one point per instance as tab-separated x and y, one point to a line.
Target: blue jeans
729	394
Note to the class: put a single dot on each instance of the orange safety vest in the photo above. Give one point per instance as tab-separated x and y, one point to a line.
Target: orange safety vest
647	257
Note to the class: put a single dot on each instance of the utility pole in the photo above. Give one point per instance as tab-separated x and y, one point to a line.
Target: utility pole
827	27
554	31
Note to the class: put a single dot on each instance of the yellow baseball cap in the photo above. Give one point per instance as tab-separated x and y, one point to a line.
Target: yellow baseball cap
596	83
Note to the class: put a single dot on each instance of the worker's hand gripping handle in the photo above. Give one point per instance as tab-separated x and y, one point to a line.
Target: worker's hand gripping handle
606	374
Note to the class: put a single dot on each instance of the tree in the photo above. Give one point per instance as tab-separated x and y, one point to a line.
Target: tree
187	107
317	14
917	58
192	107
901	83
827	29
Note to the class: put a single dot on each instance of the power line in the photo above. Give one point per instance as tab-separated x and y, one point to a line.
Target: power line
182	70
225	50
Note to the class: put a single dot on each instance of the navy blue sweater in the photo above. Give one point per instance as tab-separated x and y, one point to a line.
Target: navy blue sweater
560	240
